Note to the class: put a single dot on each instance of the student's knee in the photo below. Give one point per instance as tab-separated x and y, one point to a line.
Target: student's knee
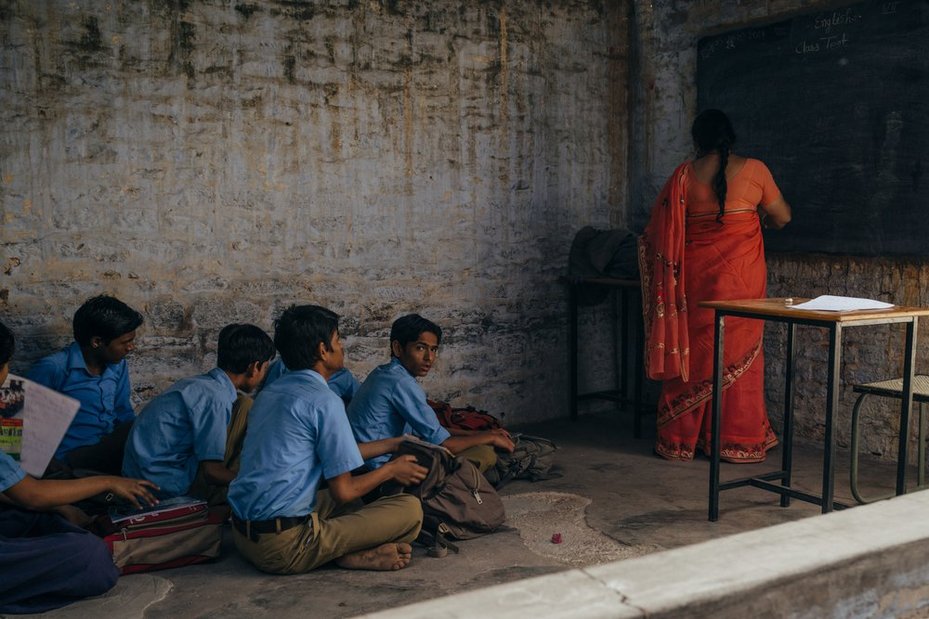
482	456
413	510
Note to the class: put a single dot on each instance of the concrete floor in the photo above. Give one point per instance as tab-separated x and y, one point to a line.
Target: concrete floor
638	503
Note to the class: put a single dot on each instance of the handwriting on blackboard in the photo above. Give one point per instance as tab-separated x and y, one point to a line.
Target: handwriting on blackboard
831	28
732	41
822	44
825	23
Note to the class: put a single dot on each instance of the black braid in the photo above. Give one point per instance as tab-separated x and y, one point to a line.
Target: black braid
719	181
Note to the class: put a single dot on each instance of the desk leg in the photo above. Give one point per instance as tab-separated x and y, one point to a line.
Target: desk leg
787	435
832	404
624	349
572	347
617	351
906	406
636	399
638	371
718	369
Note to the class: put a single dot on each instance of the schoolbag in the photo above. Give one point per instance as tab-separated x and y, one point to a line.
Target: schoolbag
467	418
458	501
176	532
532	459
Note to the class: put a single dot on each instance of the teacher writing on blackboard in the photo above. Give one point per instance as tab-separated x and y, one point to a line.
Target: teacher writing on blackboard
704	242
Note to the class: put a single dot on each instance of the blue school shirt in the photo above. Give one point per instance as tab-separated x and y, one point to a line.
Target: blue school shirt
104	399
297	434
342	383
10	472
180	428
391	403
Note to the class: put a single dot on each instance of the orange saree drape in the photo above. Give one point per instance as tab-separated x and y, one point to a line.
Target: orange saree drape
681	249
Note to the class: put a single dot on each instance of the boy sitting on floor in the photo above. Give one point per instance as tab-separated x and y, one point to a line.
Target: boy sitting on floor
298	434
188	439
93	370
391	402
46	561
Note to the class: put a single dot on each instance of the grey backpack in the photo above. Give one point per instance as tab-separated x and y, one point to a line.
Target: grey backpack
457	500
532	459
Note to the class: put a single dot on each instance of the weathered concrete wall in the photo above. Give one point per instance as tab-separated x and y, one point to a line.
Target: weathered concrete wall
664	91
212	161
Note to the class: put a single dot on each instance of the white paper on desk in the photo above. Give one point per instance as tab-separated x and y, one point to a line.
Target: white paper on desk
830	303
46	416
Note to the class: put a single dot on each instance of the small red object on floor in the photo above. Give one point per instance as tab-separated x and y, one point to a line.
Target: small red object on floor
556	538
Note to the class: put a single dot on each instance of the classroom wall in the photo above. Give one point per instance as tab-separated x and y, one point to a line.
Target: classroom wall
211	161
663	71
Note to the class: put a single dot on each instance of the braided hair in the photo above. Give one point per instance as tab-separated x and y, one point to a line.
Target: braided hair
711	132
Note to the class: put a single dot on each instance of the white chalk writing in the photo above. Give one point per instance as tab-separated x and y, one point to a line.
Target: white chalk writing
825	23
731	41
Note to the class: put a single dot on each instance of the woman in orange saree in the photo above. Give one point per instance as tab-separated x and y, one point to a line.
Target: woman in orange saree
704	242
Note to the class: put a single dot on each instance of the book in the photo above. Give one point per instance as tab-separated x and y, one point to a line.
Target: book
167	509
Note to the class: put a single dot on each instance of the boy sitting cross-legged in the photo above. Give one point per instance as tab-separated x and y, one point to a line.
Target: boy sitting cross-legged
298	434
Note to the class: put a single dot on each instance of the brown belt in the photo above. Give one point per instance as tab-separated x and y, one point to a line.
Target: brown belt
253	528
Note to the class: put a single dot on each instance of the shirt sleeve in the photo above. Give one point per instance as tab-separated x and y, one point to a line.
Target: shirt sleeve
410	400
336	446
10	472
122	403
769	189
208	420
344	384
46	373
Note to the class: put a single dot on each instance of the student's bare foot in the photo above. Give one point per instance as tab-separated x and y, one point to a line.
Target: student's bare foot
385	557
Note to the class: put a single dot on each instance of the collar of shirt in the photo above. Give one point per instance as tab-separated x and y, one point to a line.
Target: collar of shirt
76	361
76	358
311	374
220	376
396	366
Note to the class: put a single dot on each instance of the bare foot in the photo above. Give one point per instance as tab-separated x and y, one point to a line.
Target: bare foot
383	558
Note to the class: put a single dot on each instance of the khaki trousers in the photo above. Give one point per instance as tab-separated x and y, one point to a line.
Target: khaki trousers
235	437
482	456
333	531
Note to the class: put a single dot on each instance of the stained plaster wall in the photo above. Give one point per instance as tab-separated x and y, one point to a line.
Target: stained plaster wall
211	161
664	39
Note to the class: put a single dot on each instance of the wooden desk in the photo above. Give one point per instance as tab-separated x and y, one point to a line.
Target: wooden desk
619	394
835	322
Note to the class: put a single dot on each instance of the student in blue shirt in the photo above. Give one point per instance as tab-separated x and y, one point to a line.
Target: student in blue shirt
391	402
94	371
188	439
298	435
343	383
46	561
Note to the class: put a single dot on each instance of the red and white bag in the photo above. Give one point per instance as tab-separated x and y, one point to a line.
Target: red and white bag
182	533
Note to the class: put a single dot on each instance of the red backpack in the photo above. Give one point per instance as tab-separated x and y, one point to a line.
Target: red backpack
468	418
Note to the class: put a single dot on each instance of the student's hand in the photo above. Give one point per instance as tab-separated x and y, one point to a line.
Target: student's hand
502	442
397	441
501	432
136	491
406	471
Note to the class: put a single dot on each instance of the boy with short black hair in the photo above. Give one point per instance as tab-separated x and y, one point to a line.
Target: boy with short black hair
94	371
298	434
188	439
391	402
45	561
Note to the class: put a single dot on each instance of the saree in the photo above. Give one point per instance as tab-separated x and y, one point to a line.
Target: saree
686	256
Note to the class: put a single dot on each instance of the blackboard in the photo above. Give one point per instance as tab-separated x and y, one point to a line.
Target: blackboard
837	104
